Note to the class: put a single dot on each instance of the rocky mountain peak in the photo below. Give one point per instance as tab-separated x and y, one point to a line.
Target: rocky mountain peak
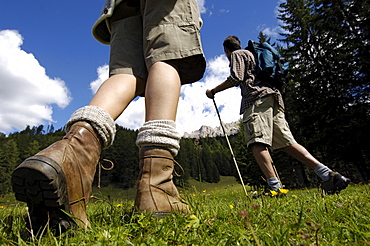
207	131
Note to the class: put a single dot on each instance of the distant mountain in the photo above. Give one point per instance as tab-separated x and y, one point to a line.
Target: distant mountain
207	131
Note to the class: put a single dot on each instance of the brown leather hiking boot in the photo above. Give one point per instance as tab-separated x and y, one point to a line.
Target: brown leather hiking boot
156	191
57	181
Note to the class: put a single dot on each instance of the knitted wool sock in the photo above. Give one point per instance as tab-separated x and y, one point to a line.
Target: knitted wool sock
323	172
274	183
159	133
99	119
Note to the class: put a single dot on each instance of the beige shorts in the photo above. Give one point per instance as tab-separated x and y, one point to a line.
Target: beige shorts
264	122
161	30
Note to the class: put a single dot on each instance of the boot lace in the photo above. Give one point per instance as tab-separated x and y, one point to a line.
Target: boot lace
169	158
101	166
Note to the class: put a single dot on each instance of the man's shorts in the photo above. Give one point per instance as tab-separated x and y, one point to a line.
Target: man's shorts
264	122
161	30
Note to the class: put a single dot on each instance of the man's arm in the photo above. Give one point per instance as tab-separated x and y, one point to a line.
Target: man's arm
223	86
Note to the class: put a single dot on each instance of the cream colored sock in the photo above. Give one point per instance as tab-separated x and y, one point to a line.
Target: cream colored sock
99	119
159	133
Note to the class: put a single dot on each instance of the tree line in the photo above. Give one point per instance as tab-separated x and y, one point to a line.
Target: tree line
327	106
202	159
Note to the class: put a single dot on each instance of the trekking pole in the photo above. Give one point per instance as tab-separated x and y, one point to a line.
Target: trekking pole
276	173
231	150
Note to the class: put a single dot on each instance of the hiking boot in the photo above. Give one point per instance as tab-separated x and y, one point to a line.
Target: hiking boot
156	191
272	193
335	184
56	183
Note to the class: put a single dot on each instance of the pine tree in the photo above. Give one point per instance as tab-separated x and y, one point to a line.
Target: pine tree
210	172
328	98
8	161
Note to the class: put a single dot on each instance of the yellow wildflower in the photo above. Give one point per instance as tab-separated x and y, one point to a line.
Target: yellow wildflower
283	191
274	193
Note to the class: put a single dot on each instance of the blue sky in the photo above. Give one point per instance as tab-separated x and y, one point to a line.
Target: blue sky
50	65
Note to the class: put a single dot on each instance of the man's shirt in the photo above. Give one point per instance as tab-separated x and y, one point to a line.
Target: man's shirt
242	73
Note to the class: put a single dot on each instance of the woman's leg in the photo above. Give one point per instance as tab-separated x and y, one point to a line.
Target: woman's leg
162	92
116	93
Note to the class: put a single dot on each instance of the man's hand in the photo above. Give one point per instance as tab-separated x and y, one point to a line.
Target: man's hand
210	93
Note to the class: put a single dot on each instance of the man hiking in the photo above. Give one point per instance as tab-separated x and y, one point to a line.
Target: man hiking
264	120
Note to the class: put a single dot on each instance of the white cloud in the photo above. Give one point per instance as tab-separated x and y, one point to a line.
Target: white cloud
27	93
202	8
195	109
273	32
134	115
103	72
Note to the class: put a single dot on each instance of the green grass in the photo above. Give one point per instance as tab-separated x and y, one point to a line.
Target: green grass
220	215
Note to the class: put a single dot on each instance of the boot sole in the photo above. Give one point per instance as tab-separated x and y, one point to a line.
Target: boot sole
40	182
340	183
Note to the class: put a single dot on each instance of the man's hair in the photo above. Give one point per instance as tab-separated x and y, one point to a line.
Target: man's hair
232	43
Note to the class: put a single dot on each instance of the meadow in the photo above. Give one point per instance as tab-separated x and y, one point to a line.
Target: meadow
221	214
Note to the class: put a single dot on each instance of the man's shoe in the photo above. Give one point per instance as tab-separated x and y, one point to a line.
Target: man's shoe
335	184
279	193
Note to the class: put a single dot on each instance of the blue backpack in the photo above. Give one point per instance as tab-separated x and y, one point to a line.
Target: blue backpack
271	68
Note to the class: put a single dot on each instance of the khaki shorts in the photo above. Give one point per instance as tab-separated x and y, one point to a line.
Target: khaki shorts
161	30
264	122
